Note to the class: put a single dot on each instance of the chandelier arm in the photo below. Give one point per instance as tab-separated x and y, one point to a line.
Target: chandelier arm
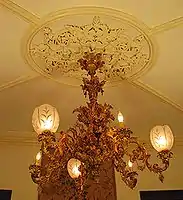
35	172
123	141
129	177
36	169
44	172
141	154
165	157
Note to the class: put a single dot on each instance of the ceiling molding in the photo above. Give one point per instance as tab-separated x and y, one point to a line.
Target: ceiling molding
34	19
149	89
21	12
17	81
19	138
30	139
166	26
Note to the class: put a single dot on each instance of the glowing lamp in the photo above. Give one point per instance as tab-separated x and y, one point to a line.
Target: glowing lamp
38	158
130	164
120	119
73	168
161	138
45	117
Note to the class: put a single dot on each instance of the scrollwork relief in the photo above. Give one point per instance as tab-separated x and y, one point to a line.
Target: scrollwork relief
126	50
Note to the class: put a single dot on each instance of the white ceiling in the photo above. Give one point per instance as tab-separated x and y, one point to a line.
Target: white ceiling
156	97
22	88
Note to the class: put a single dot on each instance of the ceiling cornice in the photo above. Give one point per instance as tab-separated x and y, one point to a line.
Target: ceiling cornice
17	81
30	139
146	88
34	19
20	11
166	26
19	138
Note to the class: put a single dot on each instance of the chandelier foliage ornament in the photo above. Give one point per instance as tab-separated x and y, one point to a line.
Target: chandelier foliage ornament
92	141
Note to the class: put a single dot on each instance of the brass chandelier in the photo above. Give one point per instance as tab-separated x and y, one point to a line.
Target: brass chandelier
92	141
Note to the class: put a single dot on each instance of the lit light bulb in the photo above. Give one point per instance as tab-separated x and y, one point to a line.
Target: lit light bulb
73	168
130	164
120	119
38	158
161	141
47	124
76	171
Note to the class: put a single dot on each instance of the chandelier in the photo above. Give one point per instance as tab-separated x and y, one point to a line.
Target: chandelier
92	141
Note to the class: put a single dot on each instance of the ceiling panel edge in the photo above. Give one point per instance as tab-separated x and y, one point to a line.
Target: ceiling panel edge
146	88
166	26
20	11
17	81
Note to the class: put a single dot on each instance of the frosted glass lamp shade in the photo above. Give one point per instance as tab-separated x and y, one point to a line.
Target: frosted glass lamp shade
45	117
73	168
161	138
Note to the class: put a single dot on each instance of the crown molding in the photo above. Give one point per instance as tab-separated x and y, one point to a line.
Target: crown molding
19	138
20	11
34	19
166	26
30	139
146	88
17	81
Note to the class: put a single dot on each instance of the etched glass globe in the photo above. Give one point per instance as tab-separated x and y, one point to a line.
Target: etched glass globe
45	117
73	168
161	138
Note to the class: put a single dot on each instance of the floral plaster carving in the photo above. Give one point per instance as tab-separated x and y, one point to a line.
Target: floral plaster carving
126	49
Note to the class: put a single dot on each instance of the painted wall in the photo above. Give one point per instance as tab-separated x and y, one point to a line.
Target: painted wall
14	175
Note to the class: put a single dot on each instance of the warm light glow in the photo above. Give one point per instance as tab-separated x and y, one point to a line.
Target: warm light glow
76	171
73	168
161	141
45	117
161	138
38	158
120	117
47	124
130	164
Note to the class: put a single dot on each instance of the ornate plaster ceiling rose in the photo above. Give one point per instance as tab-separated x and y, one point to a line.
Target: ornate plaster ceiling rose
54	46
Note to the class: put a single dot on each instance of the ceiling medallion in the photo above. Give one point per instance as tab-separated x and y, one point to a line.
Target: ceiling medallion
54	48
